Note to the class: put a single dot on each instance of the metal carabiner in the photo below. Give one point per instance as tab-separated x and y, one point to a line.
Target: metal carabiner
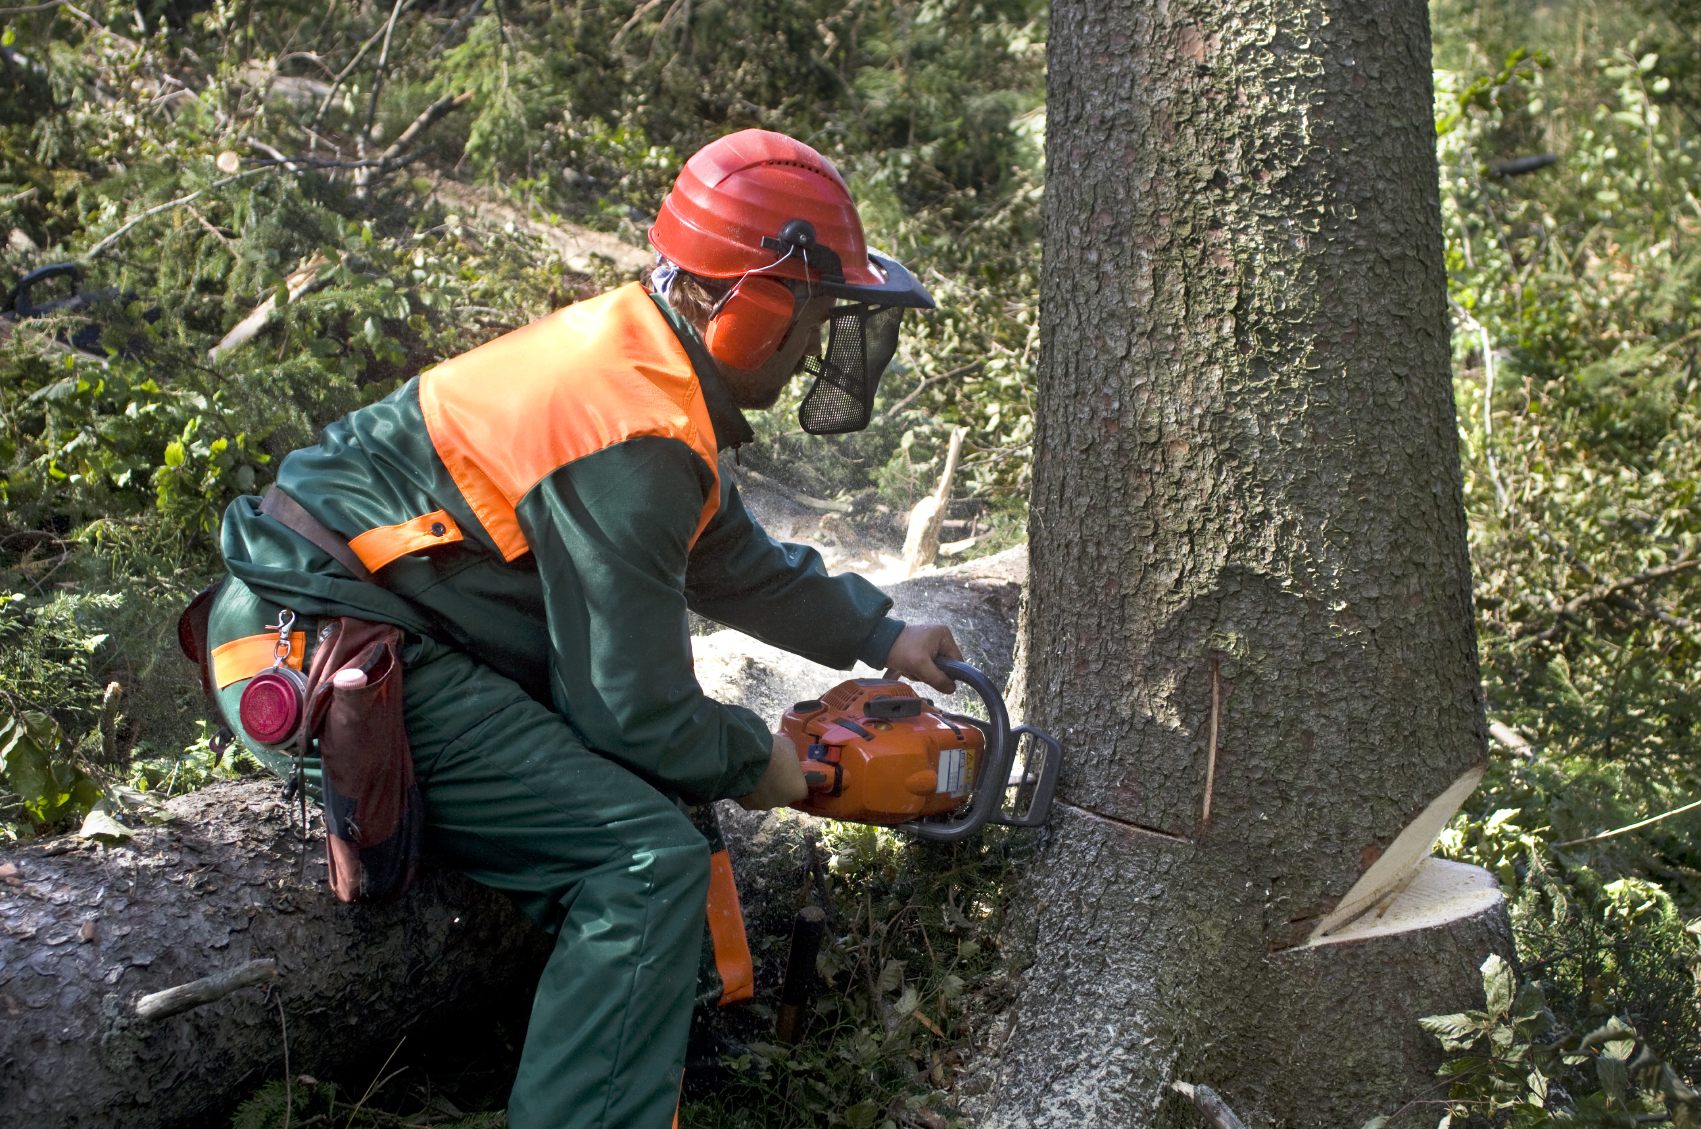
282	648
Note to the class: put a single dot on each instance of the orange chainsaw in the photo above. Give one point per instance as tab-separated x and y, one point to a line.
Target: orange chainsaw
873	751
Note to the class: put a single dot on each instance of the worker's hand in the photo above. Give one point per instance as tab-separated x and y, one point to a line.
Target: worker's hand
783	782
913	652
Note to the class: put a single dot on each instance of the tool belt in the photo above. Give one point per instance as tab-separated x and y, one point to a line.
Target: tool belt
373	810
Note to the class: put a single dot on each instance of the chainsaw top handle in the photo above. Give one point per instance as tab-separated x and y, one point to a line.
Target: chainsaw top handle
994	768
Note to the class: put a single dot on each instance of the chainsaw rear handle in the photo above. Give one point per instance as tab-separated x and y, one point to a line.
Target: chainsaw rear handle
21	296
994	770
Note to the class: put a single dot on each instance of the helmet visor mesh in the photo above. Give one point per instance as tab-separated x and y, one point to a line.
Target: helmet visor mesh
860	343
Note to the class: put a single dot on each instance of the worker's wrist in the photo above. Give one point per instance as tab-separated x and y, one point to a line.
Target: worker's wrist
878	645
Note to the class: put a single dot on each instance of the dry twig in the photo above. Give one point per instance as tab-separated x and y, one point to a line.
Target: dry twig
1630	827
1211	1104
159	1005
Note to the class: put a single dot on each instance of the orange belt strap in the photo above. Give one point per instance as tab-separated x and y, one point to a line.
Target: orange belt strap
726	929
249	655
378	547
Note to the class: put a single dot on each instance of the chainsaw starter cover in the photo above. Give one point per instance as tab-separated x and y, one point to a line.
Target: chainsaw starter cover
877	753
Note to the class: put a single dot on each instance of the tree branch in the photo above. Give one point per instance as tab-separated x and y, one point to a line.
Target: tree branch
1628	827
432	115
891	413
158	1005
352	63
1609	589
300	281
642	11
1211	1104
154	211
378	78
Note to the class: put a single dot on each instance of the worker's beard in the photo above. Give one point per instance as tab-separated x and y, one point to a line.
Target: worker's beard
758	389
751	392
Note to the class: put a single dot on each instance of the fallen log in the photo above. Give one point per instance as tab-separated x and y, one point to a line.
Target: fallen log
190	911
90	932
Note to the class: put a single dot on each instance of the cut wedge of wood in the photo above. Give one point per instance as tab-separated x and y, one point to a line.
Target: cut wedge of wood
1395	869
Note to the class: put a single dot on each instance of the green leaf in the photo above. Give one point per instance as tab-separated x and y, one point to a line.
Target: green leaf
1614	1029
100	825
1498	984
1529	1003
29	741
1457	1032
1614	1077
891	975
862	1115
1376	1122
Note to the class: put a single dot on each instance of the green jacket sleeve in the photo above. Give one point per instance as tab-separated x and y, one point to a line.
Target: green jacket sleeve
781	593
611	534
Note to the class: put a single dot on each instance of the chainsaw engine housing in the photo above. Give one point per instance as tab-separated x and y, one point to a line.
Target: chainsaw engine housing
872	751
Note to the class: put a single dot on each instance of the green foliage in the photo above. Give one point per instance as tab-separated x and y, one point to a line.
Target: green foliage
1575	370
49	785
1518	1070
1572	287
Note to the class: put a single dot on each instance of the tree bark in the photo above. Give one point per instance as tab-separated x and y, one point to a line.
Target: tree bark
1249	608
90	931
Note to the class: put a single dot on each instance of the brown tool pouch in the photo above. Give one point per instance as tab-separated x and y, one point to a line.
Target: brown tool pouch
374	812
192	637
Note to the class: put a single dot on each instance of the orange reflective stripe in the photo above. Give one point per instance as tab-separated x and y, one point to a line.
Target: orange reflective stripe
249	655
378	547
726	929
509	413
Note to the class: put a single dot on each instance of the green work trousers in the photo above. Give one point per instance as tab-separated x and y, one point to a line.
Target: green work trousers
591	852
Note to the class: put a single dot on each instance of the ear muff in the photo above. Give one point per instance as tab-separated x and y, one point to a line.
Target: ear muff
749	324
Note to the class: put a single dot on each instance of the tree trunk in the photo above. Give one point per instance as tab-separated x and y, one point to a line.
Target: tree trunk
1249	613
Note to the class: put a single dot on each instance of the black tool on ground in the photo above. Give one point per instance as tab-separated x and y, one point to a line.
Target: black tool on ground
94	308
797	991
872	751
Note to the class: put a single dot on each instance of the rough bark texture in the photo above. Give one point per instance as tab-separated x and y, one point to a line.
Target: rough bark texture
85	931
1249	612
89	931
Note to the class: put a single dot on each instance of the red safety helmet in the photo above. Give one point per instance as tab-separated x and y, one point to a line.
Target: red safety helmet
760	201
769	211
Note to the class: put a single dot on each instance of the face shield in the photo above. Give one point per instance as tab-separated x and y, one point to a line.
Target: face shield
862	336
861	340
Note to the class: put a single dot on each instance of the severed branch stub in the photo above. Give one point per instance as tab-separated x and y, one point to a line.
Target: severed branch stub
1210	1104
159	1005
795	992
302	280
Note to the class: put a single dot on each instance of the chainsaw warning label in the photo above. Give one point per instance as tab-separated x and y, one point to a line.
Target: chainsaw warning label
952	774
